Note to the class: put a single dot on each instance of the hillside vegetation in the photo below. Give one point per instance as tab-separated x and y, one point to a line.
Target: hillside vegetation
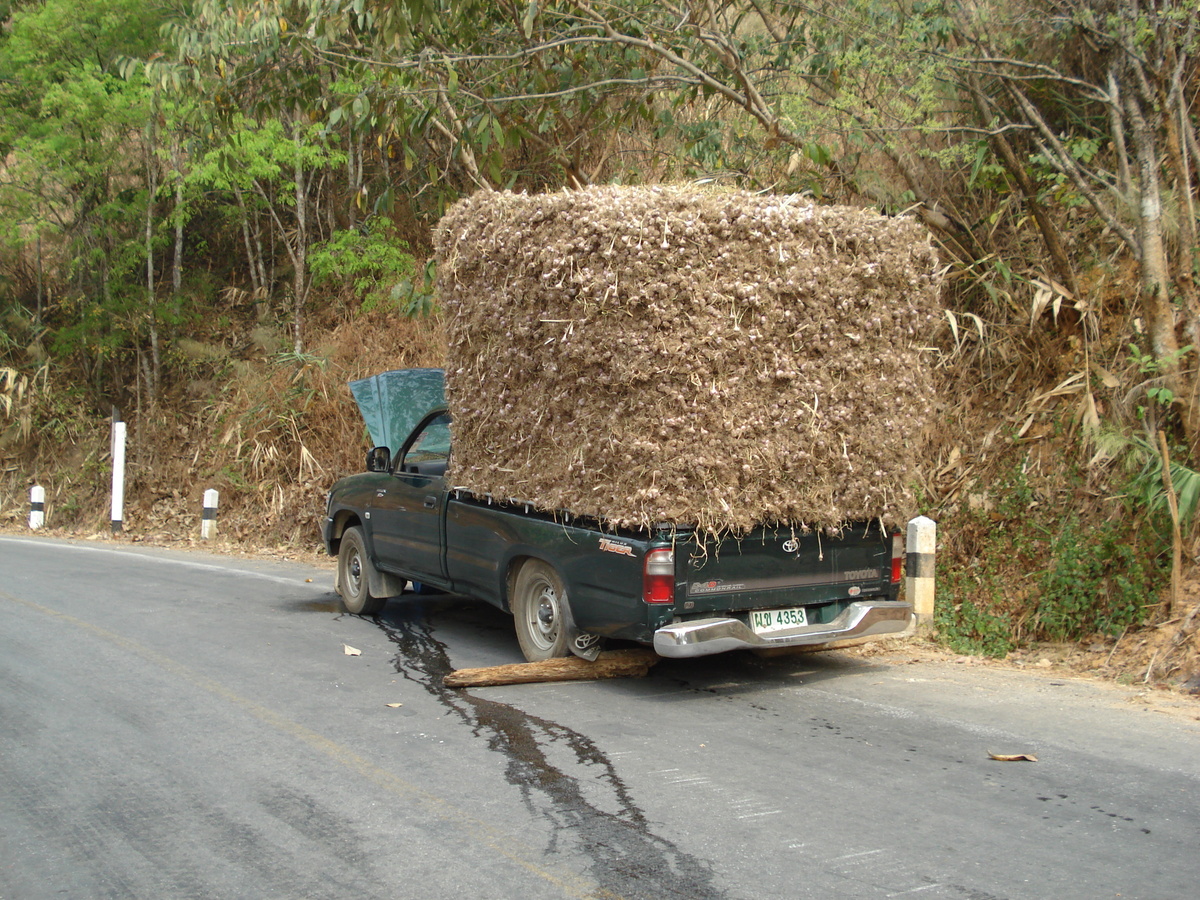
214	215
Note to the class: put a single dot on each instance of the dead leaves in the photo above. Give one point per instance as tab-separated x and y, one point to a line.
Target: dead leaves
1013	757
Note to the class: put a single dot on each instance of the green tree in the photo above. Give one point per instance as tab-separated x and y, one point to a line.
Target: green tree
269	170
74	188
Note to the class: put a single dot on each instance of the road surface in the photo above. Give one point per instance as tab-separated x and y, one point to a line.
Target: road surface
179	725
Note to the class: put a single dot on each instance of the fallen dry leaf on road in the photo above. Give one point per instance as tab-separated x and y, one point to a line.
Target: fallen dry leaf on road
351	651
395	705
1014	757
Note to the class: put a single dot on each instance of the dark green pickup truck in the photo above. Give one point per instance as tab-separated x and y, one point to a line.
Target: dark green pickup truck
570	583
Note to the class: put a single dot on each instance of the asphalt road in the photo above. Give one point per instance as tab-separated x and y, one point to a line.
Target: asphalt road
177	725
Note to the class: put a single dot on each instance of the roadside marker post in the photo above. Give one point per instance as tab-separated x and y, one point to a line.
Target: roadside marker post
208	519
118	476
37	507
919	568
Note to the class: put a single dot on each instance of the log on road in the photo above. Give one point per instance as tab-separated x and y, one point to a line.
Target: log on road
611	664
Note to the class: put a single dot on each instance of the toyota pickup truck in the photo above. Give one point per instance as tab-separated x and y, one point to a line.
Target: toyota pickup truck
572	583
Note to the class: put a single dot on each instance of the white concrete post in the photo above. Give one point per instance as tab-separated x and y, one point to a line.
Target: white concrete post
37	507
919	579
118	476
208	520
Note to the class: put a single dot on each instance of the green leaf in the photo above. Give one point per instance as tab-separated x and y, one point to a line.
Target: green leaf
527	20
820	154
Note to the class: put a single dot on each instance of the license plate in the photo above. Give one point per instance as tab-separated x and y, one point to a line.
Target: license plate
765	621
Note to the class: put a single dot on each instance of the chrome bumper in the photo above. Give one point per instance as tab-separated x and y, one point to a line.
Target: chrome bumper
701	637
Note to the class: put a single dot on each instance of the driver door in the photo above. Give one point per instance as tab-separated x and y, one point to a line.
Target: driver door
408	511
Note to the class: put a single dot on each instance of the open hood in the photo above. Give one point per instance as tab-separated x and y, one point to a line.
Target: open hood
392	403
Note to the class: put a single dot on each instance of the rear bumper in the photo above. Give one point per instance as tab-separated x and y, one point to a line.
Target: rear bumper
701	637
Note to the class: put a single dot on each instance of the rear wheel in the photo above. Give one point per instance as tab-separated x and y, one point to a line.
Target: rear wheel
354	582
539	605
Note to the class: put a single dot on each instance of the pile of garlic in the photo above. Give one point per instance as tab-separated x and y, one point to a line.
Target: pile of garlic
672	354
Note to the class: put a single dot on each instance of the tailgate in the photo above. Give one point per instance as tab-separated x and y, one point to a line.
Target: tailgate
776	568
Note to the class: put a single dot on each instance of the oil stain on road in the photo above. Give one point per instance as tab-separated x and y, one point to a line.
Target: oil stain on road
627	858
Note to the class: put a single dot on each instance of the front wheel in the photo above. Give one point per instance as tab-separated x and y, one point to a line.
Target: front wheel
353	581
539	606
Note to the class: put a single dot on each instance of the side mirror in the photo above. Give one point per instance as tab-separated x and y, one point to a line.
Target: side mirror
379	459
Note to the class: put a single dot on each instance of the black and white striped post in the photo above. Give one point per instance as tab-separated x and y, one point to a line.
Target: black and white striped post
118	476
37	507
919	580
208	519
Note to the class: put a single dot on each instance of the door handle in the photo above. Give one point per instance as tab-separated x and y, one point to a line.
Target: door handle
430	502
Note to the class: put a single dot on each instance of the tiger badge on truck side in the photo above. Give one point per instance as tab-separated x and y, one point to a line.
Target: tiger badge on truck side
610	546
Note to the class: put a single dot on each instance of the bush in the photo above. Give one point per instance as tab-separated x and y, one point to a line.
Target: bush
966	615
370	258
1061	582
1097	582
1018	567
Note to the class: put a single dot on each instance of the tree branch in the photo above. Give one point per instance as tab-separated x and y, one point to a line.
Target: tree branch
1063	162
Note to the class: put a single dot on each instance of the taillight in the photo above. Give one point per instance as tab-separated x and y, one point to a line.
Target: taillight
658	580
897	557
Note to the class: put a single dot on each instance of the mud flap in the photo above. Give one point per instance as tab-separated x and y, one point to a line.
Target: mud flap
382	584
584	645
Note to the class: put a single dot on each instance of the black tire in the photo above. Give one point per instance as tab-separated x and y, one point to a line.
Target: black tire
354	584
539	603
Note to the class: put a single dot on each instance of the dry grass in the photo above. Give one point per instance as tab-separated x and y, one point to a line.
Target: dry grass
271	436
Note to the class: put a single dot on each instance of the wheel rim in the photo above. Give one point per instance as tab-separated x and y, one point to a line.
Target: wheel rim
544	616
354	574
